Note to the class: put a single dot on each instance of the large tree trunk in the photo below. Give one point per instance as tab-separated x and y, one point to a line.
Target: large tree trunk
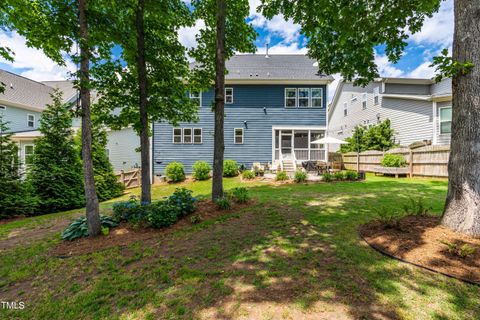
143	103
219	144
92	207
462	210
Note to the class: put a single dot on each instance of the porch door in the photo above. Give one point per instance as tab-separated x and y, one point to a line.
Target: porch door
286	141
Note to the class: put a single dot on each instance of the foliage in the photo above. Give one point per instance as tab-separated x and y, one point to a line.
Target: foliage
462	251
56	172
300	176
388	217
183	200
327	177
241	167
175	171
248	175
195	218
240	194
230	168
78	228
201	170
393	160
130	211
351	175
161	214
282	176
449	68
377	137
416	207
224	203
339	175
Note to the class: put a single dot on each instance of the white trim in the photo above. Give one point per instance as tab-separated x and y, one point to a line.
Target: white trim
201	135
173	135
235	136
228	88
309	96
440	121
408	96
434	120
28	120
199	97
295	127
376	94
290	98
321	98
278	81
24	153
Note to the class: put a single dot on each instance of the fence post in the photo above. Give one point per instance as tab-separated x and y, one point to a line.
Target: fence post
411	163
122	176
358	161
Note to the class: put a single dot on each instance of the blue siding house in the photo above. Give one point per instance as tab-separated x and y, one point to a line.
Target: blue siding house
274	105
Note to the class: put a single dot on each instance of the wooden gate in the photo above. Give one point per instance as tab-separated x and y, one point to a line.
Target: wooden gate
130	179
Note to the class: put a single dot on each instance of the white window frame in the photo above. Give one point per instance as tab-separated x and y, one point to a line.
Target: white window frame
201	135
345	109
173	135
192	96
235	136
440	121
364	101
376	96
307	98
289	98
183	135
316	98
24	155
28	120
228	95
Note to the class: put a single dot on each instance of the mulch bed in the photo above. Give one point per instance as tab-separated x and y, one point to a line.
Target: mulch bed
418	240
126	234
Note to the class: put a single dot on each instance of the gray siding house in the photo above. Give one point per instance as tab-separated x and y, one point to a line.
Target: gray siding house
275	106
419	109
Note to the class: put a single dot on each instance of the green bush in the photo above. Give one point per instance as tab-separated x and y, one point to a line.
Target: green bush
240	194
130	211
230	168
327	177
175	171
300	176
182	199
351	175
416	207
390	218
79	228
339	175
248	175
282	176
201	170
393	160
161	214
224	203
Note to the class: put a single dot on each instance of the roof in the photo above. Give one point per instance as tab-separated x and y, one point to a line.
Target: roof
275	67
66	86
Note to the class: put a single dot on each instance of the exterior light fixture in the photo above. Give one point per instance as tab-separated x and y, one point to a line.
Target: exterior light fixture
245	124
265	110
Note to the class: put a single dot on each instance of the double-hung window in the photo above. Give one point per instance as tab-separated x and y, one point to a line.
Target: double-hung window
376	96
290	97
364	101
445	120
27	154
317	97
303	97
228	95
177	135
196	97
30	120
197	135
187	135
238	135
345	109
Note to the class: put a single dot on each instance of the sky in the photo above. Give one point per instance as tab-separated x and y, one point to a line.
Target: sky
283	37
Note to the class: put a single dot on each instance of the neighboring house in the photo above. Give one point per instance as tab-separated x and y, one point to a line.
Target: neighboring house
275	107
419	109
23	102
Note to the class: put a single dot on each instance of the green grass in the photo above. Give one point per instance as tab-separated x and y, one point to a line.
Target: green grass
294	253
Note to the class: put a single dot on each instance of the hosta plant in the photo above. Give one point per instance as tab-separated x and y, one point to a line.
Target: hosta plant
79	229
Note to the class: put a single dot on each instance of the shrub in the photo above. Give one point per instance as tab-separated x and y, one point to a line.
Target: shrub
196	218
417	207
201	170
300	176
184	201
130	211
327	177
79	229
393	160
175	171
282	176
224	203
388	217
461	251
241	167
161	214
248	175
240	195
339	175
230	168
351	175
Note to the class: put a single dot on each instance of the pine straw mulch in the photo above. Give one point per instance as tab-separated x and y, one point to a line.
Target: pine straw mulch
418	240
126	234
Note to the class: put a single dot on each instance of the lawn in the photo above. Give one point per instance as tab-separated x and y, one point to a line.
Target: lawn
294	254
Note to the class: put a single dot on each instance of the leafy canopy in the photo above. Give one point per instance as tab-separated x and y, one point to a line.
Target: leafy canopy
377	137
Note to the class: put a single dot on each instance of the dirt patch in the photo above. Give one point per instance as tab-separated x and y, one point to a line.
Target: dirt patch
419	240
126	234
8	220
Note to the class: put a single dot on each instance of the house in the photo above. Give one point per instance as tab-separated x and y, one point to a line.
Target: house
23	102
275	106
419	109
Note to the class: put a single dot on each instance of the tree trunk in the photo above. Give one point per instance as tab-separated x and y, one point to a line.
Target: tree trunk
143	103
462	209
92	207
219	144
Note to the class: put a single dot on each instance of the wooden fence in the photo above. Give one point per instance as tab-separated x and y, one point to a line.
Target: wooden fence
428	161
130	179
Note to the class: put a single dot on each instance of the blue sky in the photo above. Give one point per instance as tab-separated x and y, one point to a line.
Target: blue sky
282	36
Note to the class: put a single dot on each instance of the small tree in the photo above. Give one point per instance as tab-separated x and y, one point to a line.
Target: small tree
378	137
55	172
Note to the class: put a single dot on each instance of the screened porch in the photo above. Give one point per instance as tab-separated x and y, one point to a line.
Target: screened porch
295	144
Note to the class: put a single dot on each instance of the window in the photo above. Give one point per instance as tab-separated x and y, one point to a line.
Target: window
345	109
228	95
353	99
290	97
30	120
445	120
364	101
177	135
197	135
315	135
317	97
303	97
238	132
196	97
376	96
187	135
27	154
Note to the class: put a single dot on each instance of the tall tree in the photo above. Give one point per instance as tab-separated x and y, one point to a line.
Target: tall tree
226	32
342	36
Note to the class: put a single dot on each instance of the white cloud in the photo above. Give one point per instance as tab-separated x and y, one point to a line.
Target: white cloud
282	48
439	28
38	66
386	68
187	36
422	71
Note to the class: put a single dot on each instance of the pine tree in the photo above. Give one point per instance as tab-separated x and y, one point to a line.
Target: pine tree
56	173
